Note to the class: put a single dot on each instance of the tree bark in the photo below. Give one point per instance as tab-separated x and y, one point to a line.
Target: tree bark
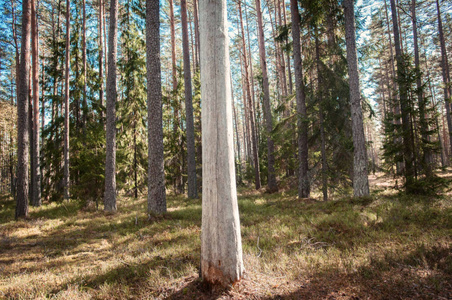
360	179
156	175
445	73
404	106
66	102
85	103
110	162
302	122
271	182
257	176
101	58
191	154
22	115
221	247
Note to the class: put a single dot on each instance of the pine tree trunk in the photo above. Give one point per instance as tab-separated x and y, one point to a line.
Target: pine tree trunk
272	185
156	175
22	114
101	58
445	73
257	176
110	162
66	102
85	102
191	154
221	247
404	105
302	122
360	179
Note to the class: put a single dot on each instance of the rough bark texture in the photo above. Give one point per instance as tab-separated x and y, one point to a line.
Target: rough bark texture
271	181
110	162
22	115
221	246
36	192
302	122
156	176
445	73
404	106
360	179
66	101
257	176
191	151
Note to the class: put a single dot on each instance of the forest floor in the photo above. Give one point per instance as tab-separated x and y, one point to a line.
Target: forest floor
387	246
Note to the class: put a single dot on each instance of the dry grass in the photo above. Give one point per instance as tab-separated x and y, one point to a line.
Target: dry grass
387	246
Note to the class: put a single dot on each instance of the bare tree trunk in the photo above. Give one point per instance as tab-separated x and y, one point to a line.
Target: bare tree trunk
156	175
221	247
404	105
445	73
36	192
101	57
257	176
110	162
272	185
66	102
22	115
360	179
302	122
85	103
191	151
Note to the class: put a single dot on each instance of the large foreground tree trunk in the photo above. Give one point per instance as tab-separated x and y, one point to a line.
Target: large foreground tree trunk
271	182
191	151
221	246
156	175
302	123
360	180
22	115
110	162
36	192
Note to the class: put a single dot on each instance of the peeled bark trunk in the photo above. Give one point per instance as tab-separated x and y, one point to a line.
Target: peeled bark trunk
66	102
156	175
191	154
110	162
404	106
360	179
221	247
272	185
22	115
302	122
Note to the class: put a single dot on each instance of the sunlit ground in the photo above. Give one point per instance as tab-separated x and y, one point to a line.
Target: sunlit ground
387	246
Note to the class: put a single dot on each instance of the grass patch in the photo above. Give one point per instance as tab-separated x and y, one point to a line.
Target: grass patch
381	247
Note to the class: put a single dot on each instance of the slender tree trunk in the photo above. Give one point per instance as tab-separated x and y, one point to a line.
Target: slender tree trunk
110	162
195	12
427	155
221	247
272	185
191	151
289	71
156	175
85	102
360	179
22	115
404	105
445	73
101	58
66	102
257	176
302	122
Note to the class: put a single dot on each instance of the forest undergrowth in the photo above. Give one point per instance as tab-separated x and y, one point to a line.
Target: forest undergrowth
386	246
